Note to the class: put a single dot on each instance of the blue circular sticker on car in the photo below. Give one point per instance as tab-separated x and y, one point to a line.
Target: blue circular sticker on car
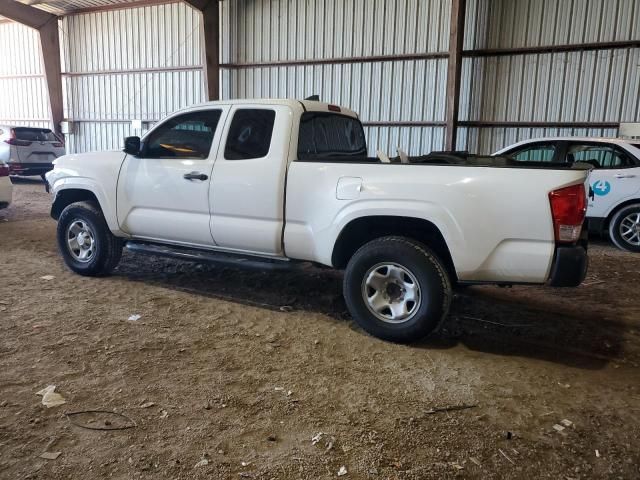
601	187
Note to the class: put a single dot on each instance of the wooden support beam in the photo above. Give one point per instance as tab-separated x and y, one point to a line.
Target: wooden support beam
50	43
210	10
47	26
454	70
21	13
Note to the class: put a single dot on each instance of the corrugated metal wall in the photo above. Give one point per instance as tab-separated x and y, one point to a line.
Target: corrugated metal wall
139	63
145	62
23	93
264	31
592	86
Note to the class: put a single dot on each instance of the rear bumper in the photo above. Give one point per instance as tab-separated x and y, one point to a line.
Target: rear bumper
26	169
570	266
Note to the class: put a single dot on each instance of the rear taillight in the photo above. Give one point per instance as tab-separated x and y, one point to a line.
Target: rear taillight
14	141
568	208
4	170
18	143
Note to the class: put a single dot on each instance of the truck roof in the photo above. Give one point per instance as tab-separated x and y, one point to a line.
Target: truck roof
307	105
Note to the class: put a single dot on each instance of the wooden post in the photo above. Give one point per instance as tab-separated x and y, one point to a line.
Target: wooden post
210	10
47	26
50	43
454	70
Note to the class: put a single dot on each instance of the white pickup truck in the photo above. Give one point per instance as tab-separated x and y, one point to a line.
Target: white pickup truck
272	183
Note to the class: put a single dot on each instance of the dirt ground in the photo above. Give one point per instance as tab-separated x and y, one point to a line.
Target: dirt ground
238	381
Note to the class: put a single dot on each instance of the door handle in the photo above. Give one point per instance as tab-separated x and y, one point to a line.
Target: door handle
625	176
195	176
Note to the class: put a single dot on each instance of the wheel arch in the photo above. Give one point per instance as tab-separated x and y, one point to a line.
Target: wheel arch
364	229
616	209
67	196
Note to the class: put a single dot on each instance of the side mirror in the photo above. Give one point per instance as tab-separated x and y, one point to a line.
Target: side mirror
132	145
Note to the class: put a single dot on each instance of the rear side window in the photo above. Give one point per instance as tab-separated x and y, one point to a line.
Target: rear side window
536	153
330	135
35	134
600	156
249	134
184	136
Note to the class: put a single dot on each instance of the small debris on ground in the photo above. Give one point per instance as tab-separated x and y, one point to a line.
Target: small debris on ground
509	435
449	409
202	463
597	453
135	318
50	398
342	471
164	414
272	438
558	427
50	455
316	438
475	460
566	423
3	403
147	405
47	277
506	456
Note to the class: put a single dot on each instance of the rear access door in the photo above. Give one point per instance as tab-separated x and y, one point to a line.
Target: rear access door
248	182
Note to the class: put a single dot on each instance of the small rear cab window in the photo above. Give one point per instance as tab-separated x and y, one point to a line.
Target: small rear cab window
249	134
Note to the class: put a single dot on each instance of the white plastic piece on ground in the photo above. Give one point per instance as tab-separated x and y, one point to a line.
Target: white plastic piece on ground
404	157
50	398
557	427
202	463
566	423
47	277
135	318
342	471
50	455
384	158
316	438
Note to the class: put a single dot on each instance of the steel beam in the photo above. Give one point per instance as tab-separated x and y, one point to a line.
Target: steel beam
210	10
454	70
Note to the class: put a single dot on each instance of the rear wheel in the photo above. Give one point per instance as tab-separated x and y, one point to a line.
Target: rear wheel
397	289
624	228
86	244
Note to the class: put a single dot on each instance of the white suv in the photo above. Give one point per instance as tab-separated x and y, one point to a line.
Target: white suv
29	150
614	203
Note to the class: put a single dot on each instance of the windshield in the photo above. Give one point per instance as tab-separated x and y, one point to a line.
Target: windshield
35	134
330	135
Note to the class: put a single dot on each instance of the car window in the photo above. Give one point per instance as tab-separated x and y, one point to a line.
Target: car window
249	134
35	134
330	134
535	153
600	156
185	136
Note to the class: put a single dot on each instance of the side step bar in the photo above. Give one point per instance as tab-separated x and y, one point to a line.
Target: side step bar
208	256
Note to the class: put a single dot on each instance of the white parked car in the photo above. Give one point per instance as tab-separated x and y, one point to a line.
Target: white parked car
614	205
29	150
272	183
6	187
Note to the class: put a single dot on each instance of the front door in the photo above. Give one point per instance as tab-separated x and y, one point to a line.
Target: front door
613	179
163	194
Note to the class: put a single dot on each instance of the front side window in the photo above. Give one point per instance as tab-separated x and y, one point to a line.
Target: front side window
185	136
249	134
536	153
600	156
330	135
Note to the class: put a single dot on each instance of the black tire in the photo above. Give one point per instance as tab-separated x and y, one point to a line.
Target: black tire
429	273
107	248
615	228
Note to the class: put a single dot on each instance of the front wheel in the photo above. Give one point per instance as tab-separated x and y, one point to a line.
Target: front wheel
624	228
397	289
86	244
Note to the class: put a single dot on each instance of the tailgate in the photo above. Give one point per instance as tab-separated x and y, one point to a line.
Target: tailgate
37	145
